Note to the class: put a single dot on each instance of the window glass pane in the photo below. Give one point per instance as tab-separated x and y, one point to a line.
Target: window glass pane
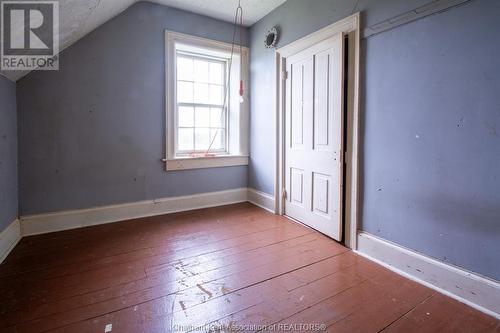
186	138
216	119
186	116
184	69
200	81
202	117
215	71
201	93
184	92
218	136
216	95
201	71
202	138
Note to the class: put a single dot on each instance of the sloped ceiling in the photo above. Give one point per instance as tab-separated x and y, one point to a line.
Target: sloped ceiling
224	10
79	17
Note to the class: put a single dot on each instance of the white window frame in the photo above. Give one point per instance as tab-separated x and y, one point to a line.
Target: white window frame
237	117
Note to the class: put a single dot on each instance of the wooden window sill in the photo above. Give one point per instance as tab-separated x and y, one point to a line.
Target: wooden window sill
186	163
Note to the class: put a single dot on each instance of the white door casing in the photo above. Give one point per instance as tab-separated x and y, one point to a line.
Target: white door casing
314	136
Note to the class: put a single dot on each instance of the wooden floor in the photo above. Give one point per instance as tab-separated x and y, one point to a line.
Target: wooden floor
233	267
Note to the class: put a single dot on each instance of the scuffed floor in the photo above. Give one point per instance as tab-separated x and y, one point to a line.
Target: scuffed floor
220	269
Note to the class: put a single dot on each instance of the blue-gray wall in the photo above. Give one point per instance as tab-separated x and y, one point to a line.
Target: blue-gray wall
8	153
431	124
295	19
93	133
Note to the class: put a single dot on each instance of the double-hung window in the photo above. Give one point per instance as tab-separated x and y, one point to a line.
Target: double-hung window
207	119
201	109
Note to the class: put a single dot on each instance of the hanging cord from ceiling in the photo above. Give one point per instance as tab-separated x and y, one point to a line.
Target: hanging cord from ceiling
237	17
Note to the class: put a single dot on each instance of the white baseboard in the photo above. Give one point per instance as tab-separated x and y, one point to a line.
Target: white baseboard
50	222
469	288
9	238
261	199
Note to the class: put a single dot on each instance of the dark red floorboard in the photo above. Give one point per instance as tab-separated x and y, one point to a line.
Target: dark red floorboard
232	266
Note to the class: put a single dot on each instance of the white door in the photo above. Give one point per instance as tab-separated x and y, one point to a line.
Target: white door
314	136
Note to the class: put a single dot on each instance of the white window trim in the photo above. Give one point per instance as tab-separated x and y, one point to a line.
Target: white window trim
238	154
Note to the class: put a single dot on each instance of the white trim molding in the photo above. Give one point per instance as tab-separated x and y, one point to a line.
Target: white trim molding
9	238
261	199
350	27
57	221
474	290
51	222
206	162
346	25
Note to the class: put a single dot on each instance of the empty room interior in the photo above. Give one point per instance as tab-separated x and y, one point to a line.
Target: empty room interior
250	166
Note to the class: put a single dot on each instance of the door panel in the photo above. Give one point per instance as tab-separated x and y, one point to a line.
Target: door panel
297	186
321	190
297	115
321	114
313	136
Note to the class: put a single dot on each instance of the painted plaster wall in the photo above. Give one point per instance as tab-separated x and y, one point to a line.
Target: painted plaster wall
431	123
93	133
8	153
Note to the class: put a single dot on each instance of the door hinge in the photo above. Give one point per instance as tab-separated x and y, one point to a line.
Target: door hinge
283	194
284	75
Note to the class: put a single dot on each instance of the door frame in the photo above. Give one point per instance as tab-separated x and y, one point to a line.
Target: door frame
350	26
